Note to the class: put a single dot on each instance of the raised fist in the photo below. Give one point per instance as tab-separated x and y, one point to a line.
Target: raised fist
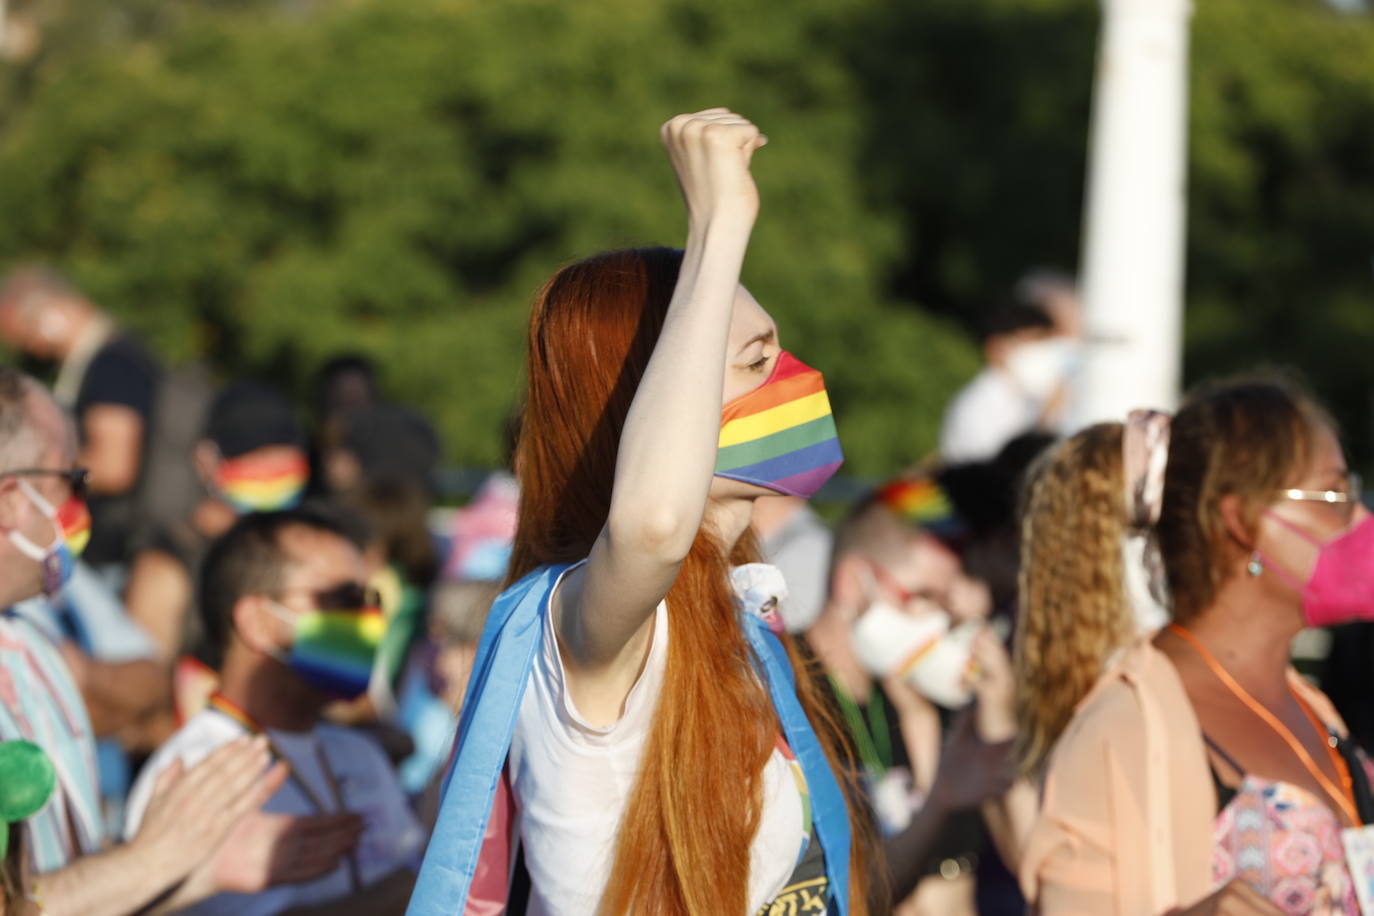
711	151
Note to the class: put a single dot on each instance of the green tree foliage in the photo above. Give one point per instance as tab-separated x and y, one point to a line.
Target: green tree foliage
979	115
265	184
400	178
978	119
1281	221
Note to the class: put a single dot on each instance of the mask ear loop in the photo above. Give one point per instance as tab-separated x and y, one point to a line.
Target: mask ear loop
21	541
1287	577
282	613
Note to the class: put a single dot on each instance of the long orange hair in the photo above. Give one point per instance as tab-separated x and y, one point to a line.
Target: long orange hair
684	842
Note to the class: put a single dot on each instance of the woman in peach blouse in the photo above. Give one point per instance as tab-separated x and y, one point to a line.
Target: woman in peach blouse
1200	775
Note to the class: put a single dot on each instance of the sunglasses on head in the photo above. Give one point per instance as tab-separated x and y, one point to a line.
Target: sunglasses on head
347	596
76	478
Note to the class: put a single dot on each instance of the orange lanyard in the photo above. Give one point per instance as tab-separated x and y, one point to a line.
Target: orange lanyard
1343	796
228	708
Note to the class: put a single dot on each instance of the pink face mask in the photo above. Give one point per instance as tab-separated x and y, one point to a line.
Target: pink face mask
1341	588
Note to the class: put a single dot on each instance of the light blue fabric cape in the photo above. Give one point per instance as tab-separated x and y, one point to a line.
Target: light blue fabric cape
505	657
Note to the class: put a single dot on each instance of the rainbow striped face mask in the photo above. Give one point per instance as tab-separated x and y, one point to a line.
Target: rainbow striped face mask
334	651
253	483
781	435
72	532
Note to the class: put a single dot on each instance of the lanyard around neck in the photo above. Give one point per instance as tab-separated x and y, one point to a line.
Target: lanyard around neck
228	708
874	739
1344	796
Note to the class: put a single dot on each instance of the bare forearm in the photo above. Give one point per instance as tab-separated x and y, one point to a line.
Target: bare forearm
667	453
1009	819
113	449
111	883
668	447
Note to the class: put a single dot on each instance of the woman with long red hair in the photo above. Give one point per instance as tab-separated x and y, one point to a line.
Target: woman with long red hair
633	720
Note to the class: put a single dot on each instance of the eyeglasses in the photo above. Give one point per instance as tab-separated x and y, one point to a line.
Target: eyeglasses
1343	501
348	596
78	479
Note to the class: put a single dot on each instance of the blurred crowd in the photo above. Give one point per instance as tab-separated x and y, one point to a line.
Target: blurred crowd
254	566
239	628
213	560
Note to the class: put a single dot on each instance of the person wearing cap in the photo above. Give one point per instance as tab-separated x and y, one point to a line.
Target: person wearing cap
251	458
897	585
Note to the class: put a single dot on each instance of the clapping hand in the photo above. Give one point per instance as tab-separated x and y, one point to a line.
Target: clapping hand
192	811
265	850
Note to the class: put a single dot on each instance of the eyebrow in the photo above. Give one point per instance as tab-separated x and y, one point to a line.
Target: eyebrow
764	337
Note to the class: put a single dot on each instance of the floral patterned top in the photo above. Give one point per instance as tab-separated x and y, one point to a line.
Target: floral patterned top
1285	842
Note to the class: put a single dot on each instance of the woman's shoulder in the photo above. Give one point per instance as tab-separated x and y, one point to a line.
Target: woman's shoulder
541	583
1138	694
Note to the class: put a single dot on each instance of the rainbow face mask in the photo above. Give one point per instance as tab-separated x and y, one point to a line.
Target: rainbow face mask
257	484
781	435
72	526
334	651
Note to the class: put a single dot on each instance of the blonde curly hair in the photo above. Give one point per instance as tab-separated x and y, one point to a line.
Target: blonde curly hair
1074	612
1244	437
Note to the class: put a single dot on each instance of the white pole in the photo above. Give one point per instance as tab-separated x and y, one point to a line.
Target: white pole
1132	263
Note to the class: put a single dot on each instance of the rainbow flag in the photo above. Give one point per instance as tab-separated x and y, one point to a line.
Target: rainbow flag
256	484
782	434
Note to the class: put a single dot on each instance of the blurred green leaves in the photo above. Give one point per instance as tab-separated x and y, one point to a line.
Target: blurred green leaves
398	178
265	184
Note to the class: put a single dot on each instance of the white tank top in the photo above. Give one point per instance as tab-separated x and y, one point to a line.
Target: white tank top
572	780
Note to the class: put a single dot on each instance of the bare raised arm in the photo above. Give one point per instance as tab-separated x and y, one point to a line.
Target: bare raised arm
667	451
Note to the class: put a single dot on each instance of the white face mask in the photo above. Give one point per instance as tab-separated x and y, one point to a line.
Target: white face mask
932	656
1040	366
